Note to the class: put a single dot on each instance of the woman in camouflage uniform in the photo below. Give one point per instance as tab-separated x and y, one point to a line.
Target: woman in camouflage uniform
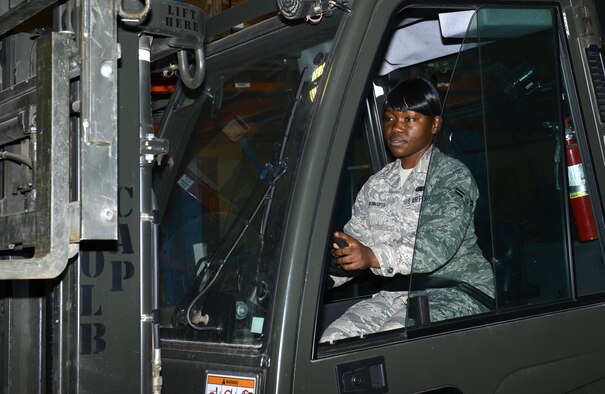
387	231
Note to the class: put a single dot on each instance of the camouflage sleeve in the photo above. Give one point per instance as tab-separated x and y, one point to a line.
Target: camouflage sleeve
358	226
445	217
394	254
394	258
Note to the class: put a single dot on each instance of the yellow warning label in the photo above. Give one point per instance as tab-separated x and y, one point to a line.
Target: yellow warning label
577	194
229	384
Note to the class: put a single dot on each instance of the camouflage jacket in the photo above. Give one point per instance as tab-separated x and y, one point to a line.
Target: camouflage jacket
422	227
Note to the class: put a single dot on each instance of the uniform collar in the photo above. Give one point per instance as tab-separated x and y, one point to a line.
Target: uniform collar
392	176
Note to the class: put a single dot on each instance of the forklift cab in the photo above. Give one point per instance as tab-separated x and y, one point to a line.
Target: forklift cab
167	223
267	158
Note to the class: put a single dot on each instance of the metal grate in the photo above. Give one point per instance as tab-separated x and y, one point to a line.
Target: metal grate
597	73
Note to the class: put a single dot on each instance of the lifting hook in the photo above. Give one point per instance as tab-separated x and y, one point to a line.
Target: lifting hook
189	81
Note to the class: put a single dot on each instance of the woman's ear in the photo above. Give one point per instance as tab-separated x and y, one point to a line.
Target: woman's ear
436	125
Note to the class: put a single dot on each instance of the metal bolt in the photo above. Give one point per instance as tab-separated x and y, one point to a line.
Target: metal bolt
106	69
107	214
76	106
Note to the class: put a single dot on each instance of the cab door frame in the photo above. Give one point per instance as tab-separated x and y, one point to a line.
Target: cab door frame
442	360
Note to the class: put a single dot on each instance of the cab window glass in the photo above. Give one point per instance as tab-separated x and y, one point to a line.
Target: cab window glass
501	96
498	227
507	120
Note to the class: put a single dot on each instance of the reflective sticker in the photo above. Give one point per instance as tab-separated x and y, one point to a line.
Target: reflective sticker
185	182
257	325
230	384
144	55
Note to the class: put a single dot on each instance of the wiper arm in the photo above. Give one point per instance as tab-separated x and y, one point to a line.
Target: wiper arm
279	153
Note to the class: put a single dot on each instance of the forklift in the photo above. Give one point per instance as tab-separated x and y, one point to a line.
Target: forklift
172	174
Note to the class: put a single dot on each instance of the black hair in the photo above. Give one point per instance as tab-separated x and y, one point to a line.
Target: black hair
418	95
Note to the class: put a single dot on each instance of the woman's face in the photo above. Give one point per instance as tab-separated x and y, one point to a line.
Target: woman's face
409	134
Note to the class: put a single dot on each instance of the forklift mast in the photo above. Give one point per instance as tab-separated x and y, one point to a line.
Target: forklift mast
75	101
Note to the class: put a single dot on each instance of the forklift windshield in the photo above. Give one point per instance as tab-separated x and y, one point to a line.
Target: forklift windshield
234	146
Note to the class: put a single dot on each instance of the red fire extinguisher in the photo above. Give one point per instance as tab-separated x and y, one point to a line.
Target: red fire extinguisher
578	191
